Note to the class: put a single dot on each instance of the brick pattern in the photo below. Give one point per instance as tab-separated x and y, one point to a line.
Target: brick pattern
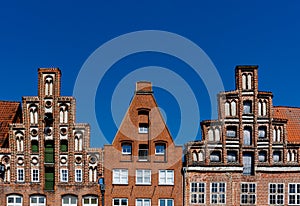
263	130
46	118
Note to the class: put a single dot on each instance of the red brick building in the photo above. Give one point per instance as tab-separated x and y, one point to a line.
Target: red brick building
143	166
48	159
249	155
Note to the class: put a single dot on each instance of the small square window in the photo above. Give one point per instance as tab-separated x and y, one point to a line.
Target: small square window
160	149
143	128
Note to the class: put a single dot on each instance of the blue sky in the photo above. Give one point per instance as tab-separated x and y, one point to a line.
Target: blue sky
64	34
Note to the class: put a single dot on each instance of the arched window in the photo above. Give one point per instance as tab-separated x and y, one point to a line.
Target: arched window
37	200
277	134
217	134
14	200
247	136
78	141
48	85
244	81
20	141
90	200
201	156
63	113
210	134
195	156
69	200
264	108
227	109
33	114
292	156
249	81
233	108
93	174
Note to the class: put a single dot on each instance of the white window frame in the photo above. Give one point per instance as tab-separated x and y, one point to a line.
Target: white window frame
166	202
20	175
161	149
218	192
276	194
197	193
143	202
166	177
89	198
35	175
120	176
248	191
127	150
14	197
295	194
64	176
69	197
78	175
120	201
144	175
143	129
38	200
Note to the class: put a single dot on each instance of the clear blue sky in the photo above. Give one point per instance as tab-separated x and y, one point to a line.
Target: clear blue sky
64	34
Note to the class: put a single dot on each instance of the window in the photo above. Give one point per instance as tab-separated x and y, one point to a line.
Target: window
248	193
78	175
35	175
90	201
63	113
143	152
49	151
262	108
276	194
276	134
215	156
143	177
14	200
231	131
120	202
64	175
69	200
166	177
292	156
120	176
78	141
37	200
126	148
247	136
294	194
247	107
232	156
262	131
230	108
165	202
211	135
143	128
64	145
277	156
218	193
248	166
197	193
48	85
143	202
160	149
20	141
49	178
34	146
262	156
20	175
33	114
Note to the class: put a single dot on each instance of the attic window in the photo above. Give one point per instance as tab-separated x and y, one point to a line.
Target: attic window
143	128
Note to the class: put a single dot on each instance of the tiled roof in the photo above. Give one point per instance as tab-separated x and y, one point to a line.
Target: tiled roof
292	115
8	113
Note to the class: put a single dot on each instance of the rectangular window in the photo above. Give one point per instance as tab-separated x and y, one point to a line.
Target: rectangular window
20	175
126	149
218	193
143	152
78	175
64	175
247	107
143	177
248	166
232	156
143	202
166	177
294	194
120	176
197	193
143	128
160	149
276	194
248	193
120	202
35	175
165	202
231	131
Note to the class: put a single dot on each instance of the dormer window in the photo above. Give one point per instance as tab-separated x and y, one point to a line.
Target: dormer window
143	128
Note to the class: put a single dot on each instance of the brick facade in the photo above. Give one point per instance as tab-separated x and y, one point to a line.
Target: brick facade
249	156
44	143
144	152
